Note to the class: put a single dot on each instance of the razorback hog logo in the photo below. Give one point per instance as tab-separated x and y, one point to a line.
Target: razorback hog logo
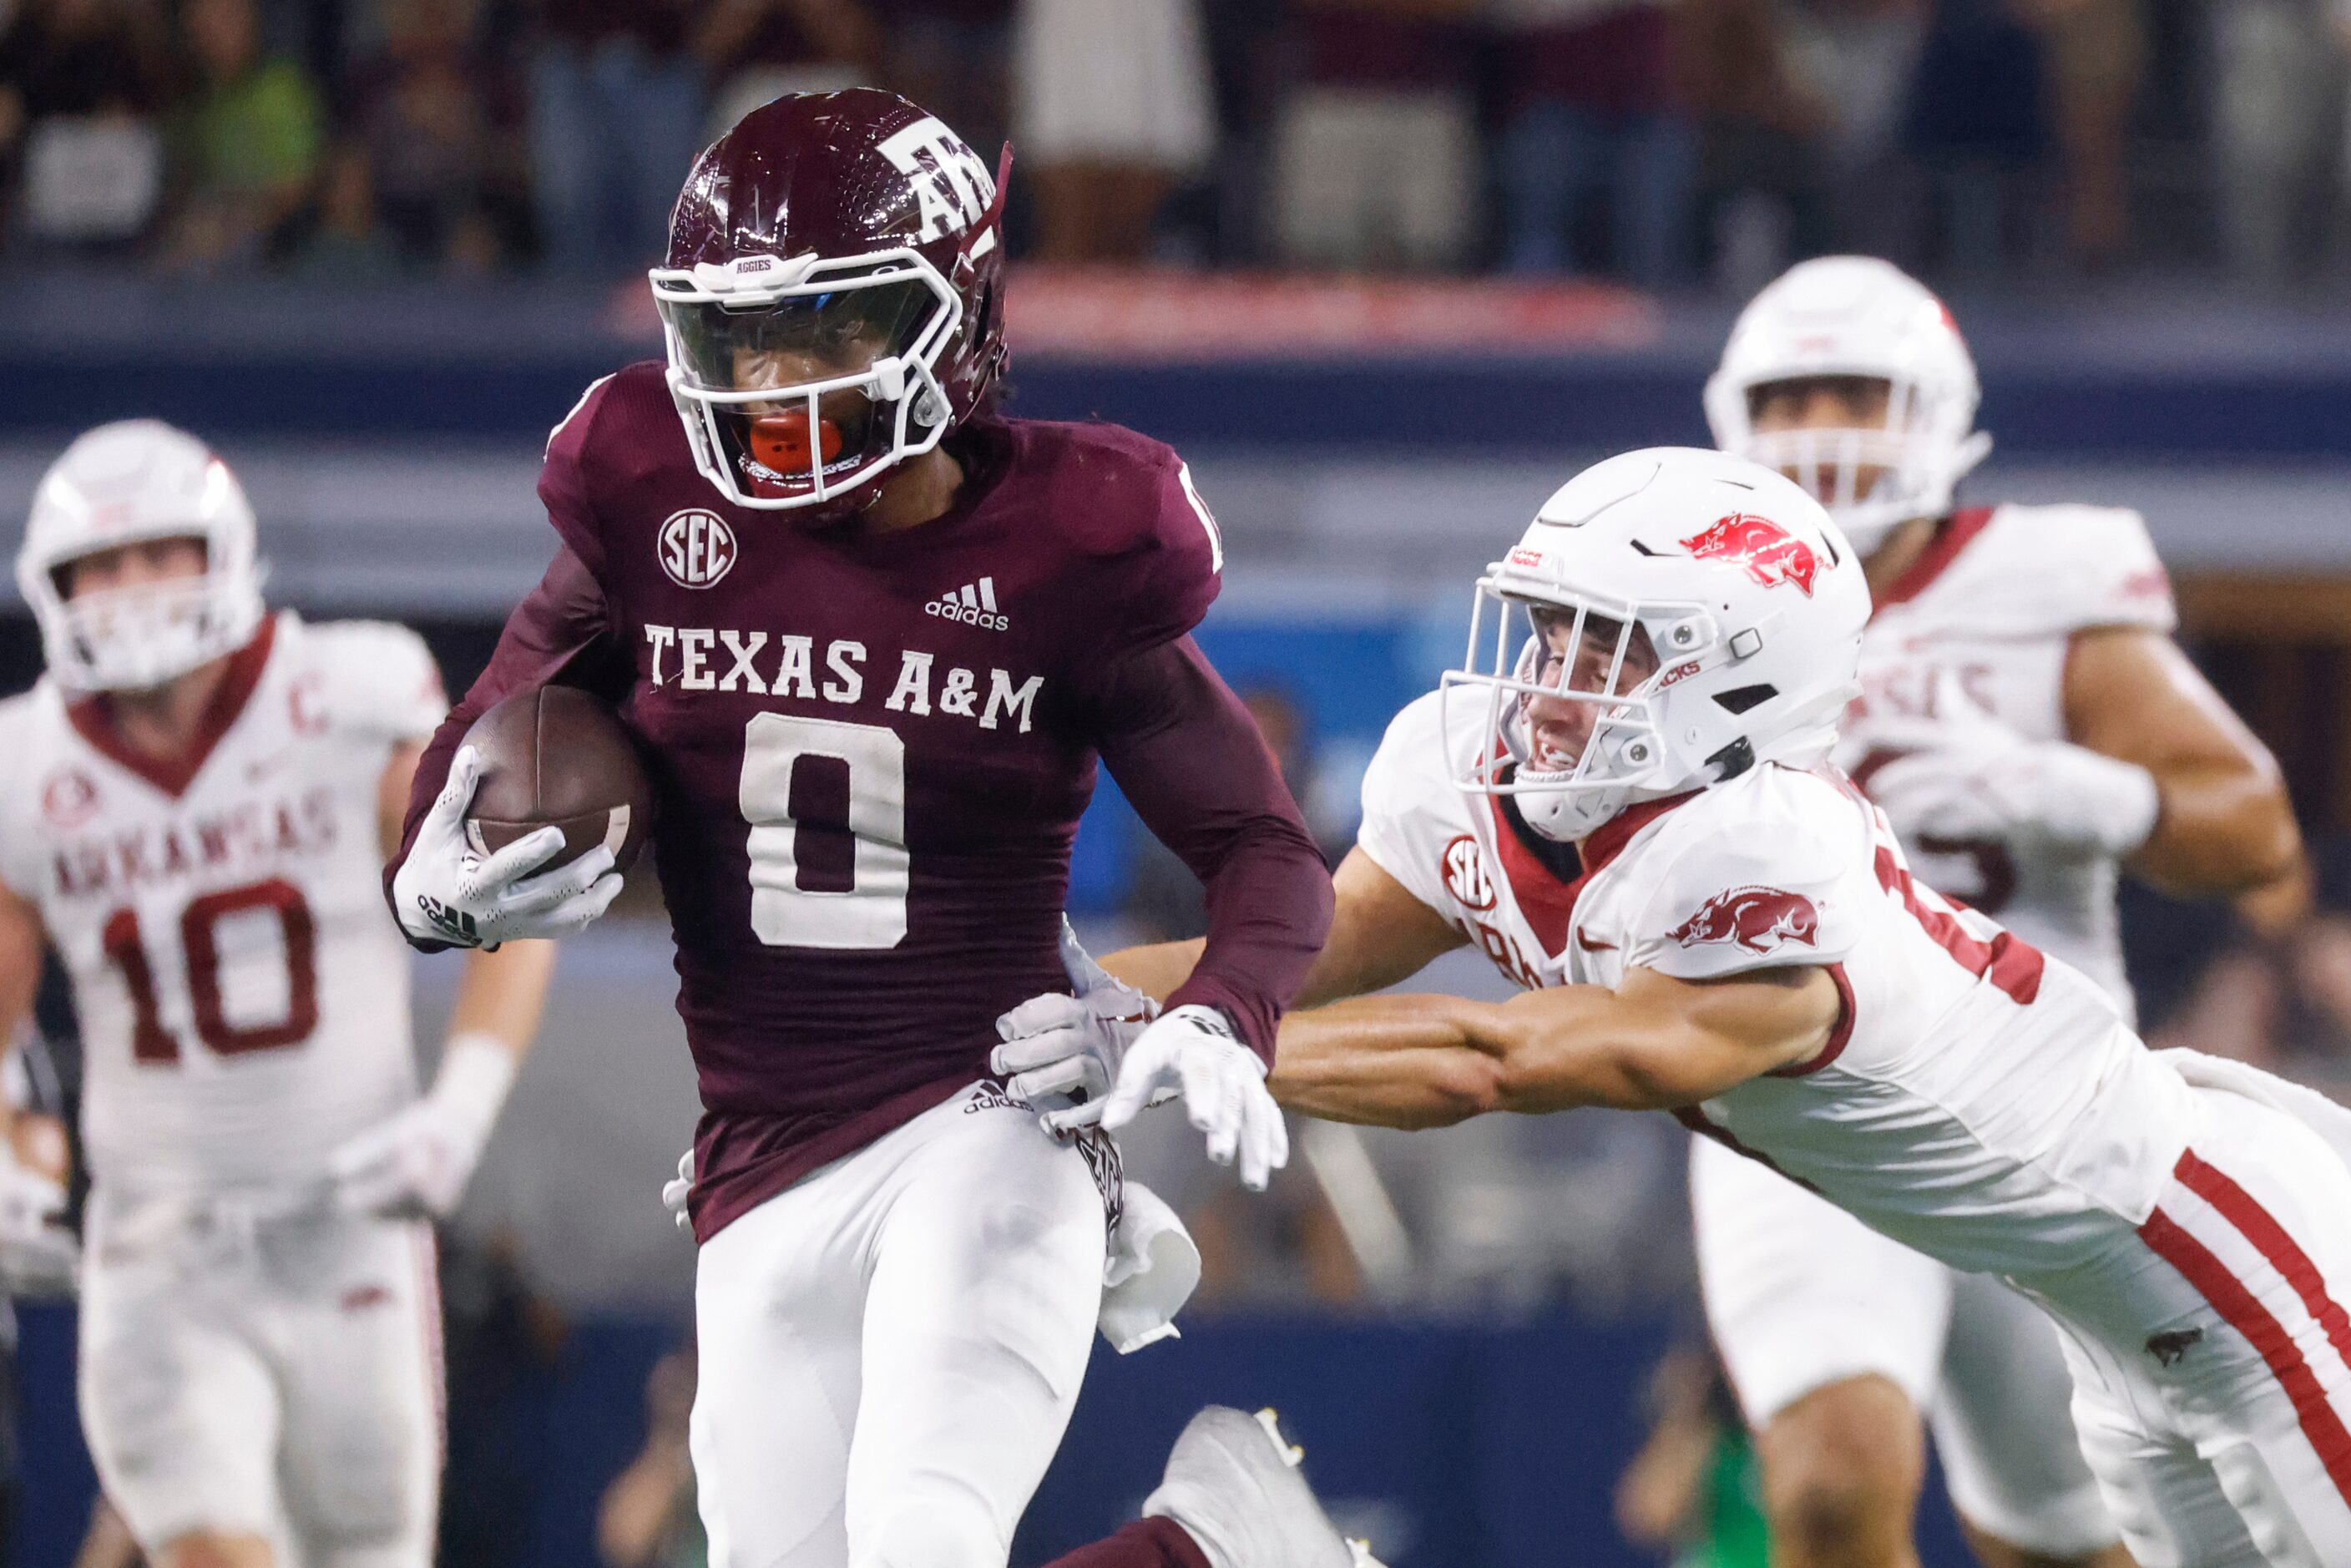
1770	554
1759	919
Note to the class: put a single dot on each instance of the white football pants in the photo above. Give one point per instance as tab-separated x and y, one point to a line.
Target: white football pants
890	1348
2212	1352
1800	1294
278	1377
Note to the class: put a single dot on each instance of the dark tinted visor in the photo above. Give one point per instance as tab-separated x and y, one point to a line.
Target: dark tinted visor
802	339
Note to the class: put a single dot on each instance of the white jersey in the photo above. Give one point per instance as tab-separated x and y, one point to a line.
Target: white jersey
1979	1103
1987	616
243	991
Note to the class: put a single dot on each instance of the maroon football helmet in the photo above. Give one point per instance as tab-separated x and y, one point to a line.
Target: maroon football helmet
833	297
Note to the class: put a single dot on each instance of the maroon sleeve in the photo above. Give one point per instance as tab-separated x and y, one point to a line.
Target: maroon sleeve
1189	758
562	633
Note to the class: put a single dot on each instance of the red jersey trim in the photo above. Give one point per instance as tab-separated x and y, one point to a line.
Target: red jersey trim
1958	531
1549	903
93	719
2242	1311
1840	1034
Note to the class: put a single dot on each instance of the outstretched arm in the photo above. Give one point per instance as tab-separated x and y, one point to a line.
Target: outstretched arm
1190	760
1380	936
420	1160
1653	1043
2222	822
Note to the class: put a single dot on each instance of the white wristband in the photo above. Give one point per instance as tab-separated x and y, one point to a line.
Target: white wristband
2128	802
477	1070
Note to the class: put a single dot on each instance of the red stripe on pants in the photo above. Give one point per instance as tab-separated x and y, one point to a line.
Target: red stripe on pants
2244	1312
2256	1224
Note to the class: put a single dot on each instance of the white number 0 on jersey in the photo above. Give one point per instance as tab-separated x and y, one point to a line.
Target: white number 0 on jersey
871	910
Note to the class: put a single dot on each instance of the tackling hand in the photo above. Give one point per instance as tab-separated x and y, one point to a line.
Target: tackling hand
416	1165
444	891
1061	1052
1195	1051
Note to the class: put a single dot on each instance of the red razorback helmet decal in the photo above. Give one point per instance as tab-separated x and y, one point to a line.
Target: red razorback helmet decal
1770	554
831	300
1759	919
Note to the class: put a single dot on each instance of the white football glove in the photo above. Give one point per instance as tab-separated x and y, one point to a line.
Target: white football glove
416	1163
444	891
677	1189
1195	1051
38	1256
1972	777
2050	796
1062	1051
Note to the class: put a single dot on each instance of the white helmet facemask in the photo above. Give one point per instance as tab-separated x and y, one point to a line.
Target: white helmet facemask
1588	667
133	483
1872	479
807	443
1860	319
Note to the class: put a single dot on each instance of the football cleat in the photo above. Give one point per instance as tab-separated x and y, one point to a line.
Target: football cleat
1234	1485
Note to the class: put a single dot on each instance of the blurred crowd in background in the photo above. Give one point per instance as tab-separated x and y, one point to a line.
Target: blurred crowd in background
1667	143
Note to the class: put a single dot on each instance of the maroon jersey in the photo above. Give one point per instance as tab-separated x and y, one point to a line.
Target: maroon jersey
869	755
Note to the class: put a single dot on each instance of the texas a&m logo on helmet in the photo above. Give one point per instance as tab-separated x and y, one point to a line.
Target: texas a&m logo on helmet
1759	919
1770	554
951	185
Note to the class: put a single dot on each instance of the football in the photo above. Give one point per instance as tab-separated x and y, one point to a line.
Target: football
556	757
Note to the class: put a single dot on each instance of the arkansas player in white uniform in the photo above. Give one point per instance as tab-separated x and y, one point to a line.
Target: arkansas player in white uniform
1737	936
194	801
2029	729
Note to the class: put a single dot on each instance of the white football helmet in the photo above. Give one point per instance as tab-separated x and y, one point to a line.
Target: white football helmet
121	484
1704	608
1855	316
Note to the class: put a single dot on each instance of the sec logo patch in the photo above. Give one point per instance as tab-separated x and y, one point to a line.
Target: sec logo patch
697	547
1465	873
70	798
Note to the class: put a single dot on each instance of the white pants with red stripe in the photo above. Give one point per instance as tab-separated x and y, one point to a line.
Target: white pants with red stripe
251	1376
2212	1354
891	1347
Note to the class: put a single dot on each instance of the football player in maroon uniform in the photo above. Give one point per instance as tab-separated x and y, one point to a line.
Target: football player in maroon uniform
873	638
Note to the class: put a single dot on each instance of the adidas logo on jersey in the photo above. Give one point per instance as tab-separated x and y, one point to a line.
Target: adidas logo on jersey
974	604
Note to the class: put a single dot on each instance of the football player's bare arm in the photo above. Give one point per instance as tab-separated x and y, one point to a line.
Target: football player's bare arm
418	1160
22	944
1380	936
2224	823
37	1256
1653	1043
